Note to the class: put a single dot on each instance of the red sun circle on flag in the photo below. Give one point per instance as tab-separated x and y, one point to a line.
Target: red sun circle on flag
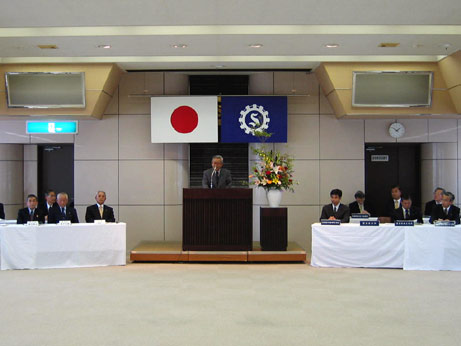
184	119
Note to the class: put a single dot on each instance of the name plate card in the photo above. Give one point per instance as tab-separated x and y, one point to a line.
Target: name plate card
330	222
410	223
99	222
32	223
445	223
64	223
369	223
360	216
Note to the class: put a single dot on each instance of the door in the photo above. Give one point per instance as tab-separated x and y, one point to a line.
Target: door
391	164
56	169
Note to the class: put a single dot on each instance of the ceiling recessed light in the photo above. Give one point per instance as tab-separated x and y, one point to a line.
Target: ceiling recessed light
181	45
219	66
417	45
105	46
255	45
332	45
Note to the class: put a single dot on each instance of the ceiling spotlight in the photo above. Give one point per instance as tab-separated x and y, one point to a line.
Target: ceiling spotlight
255	45
417	45
105	46
182	45
332	45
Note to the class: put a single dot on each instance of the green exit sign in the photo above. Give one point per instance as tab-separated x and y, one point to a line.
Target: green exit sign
51	127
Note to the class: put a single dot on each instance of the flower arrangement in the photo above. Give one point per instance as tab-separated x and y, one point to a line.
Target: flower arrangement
273	171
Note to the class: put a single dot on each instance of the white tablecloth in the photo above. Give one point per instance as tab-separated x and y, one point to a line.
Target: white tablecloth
422	247
432	248
351	245
54	246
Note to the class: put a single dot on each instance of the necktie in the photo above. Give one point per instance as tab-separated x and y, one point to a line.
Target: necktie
361	208
63	212
215	180
407	214
31	215
335	209
101	210
396	204
445	211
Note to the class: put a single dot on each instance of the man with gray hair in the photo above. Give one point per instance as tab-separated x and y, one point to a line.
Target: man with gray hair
445	211
62	211
216	177
99	211
438	193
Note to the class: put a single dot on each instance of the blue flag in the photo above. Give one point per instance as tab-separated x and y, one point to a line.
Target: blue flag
242	115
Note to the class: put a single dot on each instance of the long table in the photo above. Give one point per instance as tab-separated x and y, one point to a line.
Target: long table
422	247
56	246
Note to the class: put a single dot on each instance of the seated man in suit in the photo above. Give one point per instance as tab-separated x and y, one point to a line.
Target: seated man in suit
62	211
31	213
99	211
407	211
336	210
445	211
50	201
395	202
438	194
216	177
360	206
2	211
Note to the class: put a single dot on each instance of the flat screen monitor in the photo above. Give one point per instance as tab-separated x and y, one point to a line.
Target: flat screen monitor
392	89
45	89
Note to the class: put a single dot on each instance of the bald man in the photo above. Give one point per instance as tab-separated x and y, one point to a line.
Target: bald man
99	211
62	212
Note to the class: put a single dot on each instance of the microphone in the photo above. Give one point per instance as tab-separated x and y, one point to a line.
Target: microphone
214	172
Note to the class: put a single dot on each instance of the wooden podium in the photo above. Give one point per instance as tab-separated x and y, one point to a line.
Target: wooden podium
217	220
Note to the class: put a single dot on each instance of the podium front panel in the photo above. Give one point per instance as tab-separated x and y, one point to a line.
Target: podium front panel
217	219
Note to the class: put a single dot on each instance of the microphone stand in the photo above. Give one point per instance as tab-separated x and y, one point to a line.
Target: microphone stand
214	172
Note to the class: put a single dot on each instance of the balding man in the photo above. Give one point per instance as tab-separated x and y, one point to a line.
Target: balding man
99	211
216	177
62	212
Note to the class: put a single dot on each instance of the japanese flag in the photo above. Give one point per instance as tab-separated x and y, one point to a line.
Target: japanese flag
184	119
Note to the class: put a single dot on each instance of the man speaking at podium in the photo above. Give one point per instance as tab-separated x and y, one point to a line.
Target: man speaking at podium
216	177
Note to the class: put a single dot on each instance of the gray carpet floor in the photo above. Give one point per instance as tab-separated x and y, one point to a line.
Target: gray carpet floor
229	304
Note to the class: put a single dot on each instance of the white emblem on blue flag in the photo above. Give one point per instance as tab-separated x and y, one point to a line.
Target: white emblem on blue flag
254	118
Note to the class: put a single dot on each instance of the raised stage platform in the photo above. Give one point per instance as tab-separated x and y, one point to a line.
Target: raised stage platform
151	251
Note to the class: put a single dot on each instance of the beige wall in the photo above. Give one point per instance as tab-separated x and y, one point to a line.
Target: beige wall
144	181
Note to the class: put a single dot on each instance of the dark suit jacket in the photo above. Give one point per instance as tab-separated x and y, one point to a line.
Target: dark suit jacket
92	213
437	213
342	213
23	216
43	207
390	207
415	214
354	207
429	207
2	211
225	179
55	215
